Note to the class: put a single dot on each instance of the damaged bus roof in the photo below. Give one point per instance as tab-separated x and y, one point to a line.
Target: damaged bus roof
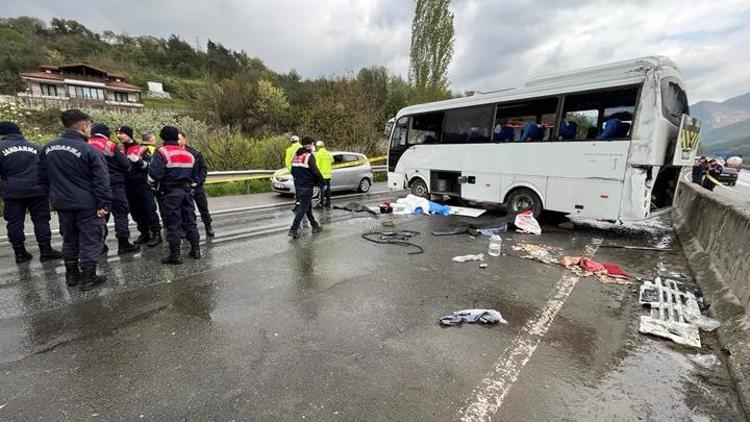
628	72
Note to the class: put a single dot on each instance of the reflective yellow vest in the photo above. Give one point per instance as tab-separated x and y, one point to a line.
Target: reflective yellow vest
290	153
324	160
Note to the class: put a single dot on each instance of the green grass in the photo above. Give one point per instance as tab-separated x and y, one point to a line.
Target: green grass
168	105
380	176
242	187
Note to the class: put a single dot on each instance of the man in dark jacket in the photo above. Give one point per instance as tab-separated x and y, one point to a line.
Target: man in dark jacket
78	183
21	193
174	173
306	176
118	166
711	172
140	196
698	168
199	193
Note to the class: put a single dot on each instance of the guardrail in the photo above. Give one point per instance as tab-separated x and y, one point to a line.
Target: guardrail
229	176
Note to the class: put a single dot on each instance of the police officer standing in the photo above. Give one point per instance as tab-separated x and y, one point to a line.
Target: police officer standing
324	160
199	193
306	176
118	166
21	193
139	194
78	182
174	173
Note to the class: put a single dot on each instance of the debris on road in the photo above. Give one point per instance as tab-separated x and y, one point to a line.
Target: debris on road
482	316
467	258
674	313
638	248
394	237
482	265
526	223
354	206
539	253
705	361
413	204
459	229
607	272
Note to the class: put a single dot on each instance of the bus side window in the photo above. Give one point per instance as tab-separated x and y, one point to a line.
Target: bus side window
399	132
601	115
527	121
425	128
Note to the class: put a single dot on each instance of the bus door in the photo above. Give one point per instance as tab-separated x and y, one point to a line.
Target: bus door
398	143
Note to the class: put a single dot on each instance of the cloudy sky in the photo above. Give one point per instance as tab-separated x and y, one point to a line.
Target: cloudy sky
498	43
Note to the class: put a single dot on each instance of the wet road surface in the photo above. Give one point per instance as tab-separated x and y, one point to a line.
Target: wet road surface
331	327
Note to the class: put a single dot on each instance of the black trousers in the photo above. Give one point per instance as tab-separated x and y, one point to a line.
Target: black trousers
15	215
178	213
305	198
83	236
119	211
142	207
201	202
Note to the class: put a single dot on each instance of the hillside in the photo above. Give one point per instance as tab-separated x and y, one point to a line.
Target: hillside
726	124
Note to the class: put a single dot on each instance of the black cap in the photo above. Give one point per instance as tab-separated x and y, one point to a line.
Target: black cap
100	129
169	133
126	130
8	128
73	116
307	141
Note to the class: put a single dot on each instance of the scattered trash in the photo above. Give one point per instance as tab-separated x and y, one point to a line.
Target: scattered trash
354	206
674	312
493	231
482	265
385	207
413	204
536	252
638	248
607	272
467	212
705	361
526	223
460	229
388	223
482	316
466	258
495	246
394	237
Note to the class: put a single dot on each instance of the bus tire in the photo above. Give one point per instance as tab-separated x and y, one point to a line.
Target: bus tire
419	188
522	199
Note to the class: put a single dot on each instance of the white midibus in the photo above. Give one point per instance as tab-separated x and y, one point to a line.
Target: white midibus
600	142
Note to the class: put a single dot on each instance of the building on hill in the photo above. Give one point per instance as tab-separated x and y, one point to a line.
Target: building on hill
79	85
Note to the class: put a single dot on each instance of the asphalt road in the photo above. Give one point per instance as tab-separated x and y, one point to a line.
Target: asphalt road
331	327
739	193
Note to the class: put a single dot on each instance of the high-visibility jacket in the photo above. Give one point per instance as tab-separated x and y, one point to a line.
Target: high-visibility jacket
324	159
290	151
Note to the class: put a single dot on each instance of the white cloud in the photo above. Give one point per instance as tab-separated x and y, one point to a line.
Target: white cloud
498	44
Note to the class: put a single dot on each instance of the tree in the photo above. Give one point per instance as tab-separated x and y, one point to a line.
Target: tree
432	39
374	82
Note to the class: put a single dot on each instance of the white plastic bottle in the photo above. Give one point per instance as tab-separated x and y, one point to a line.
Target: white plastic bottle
496	244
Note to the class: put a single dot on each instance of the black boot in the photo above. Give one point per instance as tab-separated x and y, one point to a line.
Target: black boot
316	228
195	250
125	247
155	238
105	250
143	238
72	273
293	233
90	279
22	255
174	257
209	230
46	253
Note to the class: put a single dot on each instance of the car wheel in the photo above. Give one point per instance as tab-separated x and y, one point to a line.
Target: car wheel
524	199
419	188
364	185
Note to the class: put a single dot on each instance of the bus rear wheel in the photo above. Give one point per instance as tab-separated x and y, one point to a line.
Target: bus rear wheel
523	199
419	188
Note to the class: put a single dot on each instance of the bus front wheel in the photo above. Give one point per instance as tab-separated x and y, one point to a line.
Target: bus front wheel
523	199
419	188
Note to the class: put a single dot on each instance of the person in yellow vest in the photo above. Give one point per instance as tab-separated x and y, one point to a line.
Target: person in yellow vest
149	142
324	159
290	151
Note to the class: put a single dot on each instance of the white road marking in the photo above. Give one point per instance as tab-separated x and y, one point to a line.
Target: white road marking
489	395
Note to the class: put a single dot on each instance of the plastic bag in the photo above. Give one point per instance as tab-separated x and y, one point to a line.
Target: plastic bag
465	258
526	222
705	361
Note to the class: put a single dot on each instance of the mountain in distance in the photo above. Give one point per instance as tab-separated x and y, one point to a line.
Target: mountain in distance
726	124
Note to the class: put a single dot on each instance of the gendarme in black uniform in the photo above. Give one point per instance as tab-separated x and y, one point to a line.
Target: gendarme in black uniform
306	176
199	193
79	191
21	193
174	174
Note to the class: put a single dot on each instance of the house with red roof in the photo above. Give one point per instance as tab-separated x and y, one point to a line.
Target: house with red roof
81	84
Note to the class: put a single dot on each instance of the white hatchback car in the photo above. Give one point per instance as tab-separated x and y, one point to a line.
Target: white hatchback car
351	171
